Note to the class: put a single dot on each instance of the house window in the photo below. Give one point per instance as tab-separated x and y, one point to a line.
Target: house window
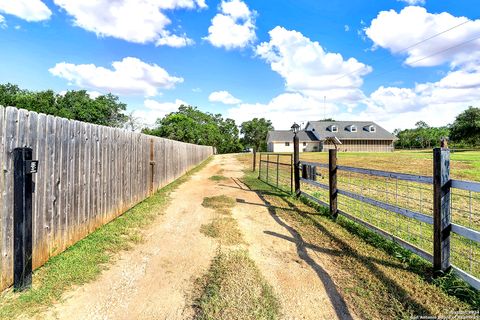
353	128
334	129
304	144
287	144
372	129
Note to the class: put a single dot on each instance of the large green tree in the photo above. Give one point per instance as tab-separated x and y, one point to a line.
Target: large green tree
189	124
466	127
422	136
255	135
104	110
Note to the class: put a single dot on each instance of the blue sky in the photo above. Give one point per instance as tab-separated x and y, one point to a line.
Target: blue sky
283	60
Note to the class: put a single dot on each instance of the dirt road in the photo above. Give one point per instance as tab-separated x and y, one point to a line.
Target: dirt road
155	279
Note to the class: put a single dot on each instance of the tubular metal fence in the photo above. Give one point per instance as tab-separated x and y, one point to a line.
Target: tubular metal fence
398	206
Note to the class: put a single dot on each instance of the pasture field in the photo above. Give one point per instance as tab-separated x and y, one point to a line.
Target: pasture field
464	165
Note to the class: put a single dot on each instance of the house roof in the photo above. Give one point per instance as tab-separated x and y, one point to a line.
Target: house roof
323	130
287	135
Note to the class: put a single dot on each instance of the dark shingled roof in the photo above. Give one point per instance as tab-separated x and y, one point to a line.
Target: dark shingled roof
287	135
322	129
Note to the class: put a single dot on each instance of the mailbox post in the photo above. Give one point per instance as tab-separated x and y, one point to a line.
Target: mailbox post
23	168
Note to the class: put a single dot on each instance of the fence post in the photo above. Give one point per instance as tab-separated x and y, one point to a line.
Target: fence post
296	164
305	171
441	209
260	167
278	160
268	165
291	173
152	166
332	181
23	167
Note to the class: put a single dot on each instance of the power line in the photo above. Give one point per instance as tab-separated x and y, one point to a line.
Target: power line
431	55
409	47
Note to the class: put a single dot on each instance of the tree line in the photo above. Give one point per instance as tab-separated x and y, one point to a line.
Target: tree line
463	132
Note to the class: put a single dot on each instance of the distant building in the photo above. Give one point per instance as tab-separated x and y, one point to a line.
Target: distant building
355	136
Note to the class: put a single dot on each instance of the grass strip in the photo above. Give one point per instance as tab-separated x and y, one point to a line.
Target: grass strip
234	288
84	261
218	178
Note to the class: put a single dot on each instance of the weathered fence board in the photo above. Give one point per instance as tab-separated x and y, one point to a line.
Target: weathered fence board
87	176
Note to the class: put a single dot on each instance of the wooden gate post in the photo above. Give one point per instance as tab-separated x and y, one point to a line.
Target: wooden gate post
296	164
23	168
332	182
441	209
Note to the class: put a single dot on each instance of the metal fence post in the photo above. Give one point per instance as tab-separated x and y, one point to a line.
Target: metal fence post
296	164
268	165
278	160
23	167
441	209
332	182
260	167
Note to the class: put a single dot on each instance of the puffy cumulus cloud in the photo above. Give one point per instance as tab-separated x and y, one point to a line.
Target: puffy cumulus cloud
437	103
396	31
233	27
283	110
224	97
29	10
3	23
307	68
135	21
155	110
128	76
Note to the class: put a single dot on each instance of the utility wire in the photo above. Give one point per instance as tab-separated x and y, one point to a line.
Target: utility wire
409	47
431	55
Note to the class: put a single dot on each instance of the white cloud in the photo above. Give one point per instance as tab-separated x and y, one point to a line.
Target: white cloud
155	110
129	76
307	68
346	27
174	41
413	2
224	97
283	110
3	23
233	27
30	10
437	103
397	31
131	20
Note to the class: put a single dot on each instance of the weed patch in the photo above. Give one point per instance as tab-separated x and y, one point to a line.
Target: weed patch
221	203
225	229
218	178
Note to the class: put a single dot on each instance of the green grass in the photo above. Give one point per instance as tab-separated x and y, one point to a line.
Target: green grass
218	178
221	204
225	229
234	288
83	262
377	277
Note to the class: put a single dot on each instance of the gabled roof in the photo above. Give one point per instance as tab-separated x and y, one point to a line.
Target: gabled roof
322	129
287	136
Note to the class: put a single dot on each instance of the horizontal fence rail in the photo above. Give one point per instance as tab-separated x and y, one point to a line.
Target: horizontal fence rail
401	207
87	176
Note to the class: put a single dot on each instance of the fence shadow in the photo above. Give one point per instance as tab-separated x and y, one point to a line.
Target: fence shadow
393	289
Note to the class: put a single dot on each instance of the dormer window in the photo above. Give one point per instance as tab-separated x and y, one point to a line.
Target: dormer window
334	128
353	128
372	129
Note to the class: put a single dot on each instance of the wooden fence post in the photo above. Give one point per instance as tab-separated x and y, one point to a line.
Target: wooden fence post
278	160
441	209
332	182
268	165
260	167
296	164
152	166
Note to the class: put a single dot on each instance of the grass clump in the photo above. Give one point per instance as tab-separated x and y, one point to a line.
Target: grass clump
225	229
83	262
221	203
218	178
234	288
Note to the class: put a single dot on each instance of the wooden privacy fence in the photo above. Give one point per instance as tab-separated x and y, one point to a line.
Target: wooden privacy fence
437	218
87	176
